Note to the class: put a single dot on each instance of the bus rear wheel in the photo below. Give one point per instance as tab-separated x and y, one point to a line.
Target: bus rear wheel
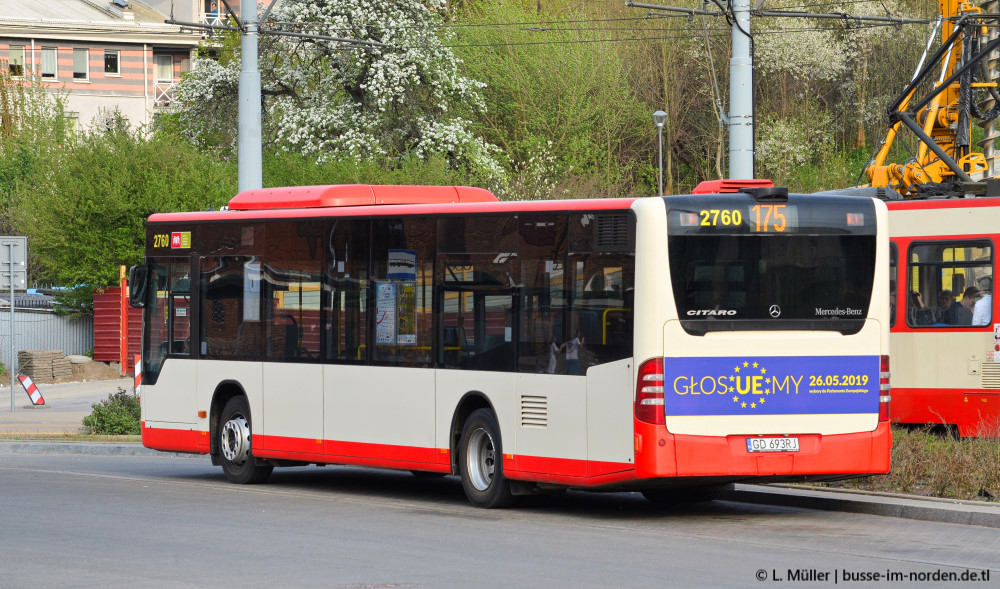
234	445
481	462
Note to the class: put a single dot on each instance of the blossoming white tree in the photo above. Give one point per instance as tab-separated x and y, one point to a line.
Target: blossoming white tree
331	100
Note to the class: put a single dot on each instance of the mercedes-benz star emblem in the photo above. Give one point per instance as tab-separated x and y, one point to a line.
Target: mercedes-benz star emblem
775	311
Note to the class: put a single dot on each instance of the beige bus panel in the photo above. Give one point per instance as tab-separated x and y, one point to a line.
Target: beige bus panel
610	399
173	399
497	387
292	401
654	299
551	417
380	405
248	375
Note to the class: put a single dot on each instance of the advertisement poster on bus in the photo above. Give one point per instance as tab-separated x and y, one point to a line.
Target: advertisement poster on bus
385	313
772	385
996	342
406	313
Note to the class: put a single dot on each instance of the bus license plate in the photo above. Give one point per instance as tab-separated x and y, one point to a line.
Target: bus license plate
781	444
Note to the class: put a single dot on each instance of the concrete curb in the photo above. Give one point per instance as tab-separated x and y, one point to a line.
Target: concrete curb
970	513
88	448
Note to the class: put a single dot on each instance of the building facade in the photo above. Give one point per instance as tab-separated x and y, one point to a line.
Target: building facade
102	54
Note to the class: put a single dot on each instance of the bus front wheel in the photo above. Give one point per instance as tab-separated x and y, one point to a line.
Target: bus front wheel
234	445
481	462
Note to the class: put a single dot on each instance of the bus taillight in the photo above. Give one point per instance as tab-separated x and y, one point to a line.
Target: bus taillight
649	392
883	390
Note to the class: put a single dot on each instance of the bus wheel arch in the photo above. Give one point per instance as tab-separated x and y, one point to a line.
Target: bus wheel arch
480	461
231	440
225	391
471	401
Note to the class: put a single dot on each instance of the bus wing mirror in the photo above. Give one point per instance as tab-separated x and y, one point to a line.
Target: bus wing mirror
138	277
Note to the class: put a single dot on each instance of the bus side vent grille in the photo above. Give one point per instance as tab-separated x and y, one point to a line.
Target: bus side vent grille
990	374
611	233
534	411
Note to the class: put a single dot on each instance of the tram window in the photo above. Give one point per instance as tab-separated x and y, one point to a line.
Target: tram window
942	280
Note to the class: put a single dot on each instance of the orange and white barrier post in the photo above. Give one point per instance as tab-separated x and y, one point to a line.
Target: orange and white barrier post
29	387
138	373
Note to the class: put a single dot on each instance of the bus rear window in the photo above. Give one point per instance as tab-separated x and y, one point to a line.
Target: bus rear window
818	277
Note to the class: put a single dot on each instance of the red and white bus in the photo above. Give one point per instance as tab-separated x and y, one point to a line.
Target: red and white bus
945	338
649	344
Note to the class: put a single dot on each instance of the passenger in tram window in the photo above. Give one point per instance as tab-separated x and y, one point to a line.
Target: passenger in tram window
554	348
918	313
945	308
962	312
983	309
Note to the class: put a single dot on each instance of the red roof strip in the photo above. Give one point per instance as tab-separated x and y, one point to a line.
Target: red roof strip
730	186
346	195
944	203
538	206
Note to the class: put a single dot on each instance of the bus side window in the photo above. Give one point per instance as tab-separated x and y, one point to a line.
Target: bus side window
403	263
602	277
346	287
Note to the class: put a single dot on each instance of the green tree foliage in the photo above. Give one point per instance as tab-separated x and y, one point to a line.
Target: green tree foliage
33	130
87	217
76	302
558	98
404	97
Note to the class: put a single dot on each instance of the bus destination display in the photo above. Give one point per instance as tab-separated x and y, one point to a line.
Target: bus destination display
743	215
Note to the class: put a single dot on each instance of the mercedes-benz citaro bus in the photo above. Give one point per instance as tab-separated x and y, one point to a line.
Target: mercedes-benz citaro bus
661	344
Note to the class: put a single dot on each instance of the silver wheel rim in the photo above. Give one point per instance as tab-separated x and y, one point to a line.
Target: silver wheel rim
236	440
481	459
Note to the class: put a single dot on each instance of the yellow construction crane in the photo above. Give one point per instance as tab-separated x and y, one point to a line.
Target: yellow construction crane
957	85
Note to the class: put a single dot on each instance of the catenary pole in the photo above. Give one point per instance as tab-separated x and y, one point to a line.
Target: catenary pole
13	359
250	150
741	107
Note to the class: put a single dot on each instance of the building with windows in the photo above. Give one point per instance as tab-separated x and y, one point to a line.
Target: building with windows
102	54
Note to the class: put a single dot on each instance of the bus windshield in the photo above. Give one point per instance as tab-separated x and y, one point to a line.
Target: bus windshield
738	264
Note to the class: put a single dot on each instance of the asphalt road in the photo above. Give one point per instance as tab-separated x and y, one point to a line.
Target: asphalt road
163	521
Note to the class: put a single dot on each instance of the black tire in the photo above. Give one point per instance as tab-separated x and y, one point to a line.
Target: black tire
235	452
668	497
480	462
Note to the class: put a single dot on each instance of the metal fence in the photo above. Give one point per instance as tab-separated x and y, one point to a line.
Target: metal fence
44	330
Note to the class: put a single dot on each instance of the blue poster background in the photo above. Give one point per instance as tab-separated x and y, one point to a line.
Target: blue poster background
771	385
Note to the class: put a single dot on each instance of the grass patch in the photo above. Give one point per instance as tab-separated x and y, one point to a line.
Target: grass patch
935	464
66	437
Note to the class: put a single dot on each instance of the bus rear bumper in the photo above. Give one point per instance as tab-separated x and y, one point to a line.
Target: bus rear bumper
659	453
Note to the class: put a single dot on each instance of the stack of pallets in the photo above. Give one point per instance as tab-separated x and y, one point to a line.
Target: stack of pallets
44	365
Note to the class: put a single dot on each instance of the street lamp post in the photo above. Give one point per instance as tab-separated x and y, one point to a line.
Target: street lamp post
660	119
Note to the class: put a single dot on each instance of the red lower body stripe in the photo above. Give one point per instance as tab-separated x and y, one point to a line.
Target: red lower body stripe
528	468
